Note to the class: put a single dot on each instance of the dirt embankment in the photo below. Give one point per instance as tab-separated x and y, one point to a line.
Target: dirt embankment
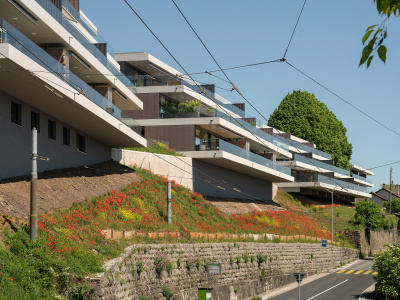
61	188
231	206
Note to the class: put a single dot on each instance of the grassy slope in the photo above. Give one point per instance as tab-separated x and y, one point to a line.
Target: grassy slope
70	244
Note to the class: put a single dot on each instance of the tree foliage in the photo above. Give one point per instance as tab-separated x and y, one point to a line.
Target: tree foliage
395	205
369	214
387	264
376	34
302	115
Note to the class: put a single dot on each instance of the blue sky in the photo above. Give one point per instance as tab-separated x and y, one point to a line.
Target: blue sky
327	46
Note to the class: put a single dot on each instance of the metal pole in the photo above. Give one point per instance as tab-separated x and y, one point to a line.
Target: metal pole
299	286
332	217
390	199
34	178
169	212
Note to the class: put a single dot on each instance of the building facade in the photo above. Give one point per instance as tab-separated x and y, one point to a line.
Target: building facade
59	76
228	144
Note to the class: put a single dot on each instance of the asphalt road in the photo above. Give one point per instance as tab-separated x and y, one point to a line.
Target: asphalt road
335	286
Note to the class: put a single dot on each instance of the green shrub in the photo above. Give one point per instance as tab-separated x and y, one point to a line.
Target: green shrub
139	266
178	263
368	213
198	262
246	257
260	259
168	292
231	260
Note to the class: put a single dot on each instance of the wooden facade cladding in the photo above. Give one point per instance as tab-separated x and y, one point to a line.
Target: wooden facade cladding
75	3
180	137
151	107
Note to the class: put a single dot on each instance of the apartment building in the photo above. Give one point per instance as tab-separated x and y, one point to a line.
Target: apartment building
234	154
57	74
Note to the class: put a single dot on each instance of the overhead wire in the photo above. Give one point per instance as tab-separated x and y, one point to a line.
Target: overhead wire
233	85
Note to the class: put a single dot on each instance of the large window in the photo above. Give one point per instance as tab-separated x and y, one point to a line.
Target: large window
35	121
80	143
66	136
51	130
16	113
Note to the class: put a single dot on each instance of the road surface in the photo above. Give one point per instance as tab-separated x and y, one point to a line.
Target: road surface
346	284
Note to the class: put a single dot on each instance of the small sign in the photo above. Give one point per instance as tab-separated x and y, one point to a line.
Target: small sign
214	268
299	276
324	243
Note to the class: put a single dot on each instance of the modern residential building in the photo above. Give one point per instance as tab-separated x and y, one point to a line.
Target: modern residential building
58	75
230	148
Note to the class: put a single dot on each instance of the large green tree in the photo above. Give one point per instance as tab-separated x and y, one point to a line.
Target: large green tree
301	114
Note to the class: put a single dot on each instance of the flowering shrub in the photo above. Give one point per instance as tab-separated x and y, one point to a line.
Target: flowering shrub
70	242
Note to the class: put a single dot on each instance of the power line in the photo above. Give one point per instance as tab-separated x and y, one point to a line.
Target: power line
298	19
344	100
389	164
233	85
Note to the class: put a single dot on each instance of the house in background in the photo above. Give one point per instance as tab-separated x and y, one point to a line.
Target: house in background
383	194
227	143
58	75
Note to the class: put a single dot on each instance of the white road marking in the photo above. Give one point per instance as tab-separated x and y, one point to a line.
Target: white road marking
327	290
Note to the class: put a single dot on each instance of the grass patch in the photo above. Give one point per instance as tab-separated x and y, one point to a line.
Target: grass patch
157	147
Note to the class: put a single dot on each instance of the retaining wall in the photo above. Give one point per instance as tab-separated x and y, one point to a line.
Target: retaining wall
238	278
174	168
371	242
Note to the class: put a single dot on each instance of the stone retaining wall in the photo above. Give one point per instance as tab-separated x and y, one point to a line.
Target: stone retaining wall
371	242
121	279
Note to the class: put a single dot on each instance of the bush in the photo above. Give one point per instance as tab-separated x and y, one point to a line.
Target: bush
368	214
389	221
395	205
387	265
168	292
260	259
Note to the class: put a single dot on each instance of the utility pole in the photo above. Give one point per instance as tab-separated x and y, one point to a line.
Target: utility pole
169	212
390	199
34	178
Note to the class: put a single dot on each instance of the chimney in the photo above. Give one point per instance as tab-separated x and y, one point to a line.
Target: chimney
397	189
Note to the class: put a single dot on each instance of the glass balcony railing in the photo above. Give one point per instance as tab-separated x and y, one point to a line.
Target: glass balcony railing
86	24
252	129
10	35
320	164
79	36
303	147
361	178
331	181
221	145
162	80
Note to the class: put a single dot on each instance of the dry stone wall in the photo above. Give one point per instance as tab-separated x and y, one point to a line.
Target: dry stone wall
371	242
247	269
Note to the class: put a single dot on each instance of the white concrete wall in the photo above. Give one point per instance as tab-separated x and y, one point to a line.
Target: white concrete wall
174	168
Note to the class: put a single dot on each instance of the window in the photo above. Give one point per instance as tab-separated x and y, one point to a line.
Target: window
35	121
52	130
67	136
80	143
16	113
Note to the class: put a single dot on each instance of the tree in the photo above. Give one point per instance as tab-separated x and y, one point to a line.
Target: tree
302	115
369	214
376	34
395	205
387	264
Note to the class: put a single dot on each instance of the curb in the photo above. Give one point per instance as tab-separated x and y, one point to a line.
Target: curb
371	289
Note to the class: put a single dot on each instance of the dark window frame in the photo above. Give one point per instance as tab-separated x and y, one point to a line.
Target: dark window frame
80	143
67	136
35	121
16	113
52	130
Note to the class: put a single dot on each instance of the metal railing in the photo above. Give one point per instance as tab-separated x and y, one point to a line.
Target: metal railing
221	145
319	164
10	35
79	36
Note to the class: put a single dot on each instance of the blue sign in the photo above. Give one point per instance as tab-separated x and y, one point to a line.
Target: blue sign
324	243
